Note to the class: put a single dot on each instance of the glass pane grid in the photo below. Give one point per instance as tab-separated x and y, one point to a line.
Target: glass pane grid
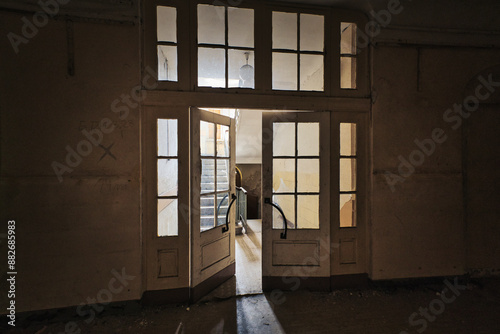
215	174
295	176
298	52
225	47
347	175
166	36
167	178
348	51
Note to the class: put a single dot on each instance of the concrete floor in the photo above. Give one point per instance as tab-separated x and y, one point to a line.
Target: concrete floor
248	278
249	259
378	310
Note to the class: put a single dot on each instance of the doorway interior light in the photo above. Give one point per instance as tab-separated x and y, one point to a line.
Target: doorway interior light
246	74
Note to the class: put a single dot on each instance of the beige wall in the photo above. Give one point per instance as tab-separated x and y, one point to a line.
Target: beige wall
70	234
418	230
252	184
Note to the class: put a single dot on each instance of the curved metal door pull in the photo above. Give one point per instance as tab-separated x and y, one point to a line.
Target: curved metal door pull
226	228
267	200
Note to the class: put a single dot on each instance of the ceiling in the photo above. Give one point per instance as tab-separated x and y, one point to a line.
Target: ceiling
464	15
446	14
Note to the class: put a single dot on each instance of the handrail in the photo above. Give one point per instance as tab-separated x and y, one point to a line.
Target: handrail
242	189
225	229
241	207
267	200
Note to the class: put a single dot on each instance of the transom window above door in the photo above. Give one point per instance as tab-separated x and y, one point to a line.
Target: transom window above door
166	40
298	51
255	48
225	47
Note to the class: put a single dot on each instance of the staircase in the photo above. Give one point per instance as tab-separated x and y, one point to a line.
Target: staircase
207	205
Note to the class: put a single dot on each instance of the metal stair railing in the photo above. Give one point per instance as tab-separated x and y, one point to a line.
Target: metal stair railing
241	207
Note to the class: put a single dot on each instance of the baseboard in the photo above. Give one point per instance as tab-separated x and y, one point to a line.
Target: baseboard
358	281
328	283
287	283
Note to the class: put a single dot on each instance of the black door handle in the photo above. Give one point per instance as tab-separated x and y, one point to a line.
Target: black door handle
226	228
267	200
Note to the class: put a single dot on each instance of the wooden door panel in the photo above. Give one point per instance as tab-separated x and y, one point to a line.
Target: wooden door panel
305	252
213	250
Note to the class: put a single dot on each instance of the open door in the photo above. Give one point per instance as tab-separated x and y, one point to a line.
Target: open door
212	197
296	244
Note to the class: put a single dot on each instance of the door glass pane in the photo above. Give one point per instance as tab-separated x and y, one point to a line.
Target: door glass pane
308	139
211	26
347	174
241	72
308	175
222	205
167	177
207	137
311	73
166	23
348	38
211	67
167	217
283	175
284	31
312	32
284	71
222	141
167	137
283	139
348	139
287	204
207	175
207	212
347	210
167	63
347	73
308	211
240	27
223	174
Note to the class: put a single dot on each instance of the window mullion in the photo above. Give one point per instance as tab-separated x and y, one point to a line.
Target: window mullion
226	33
298	53
296	174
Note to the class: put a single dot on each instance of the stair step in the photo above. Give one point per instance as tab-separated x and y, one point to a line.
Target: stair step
210	186
208	211
238	229
212	167
210	178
